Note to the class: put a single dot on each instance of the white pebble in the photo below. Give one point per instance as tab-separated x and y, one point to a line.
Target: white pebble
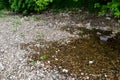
91	62
2	50
37	45
105	75
87	77
65	70
56	59
49	62
60	66
82	73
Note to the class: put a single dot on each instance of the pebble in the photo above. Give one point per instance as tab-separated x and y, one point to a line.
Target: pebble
56	59
82	74
37	45
119	21
1	67
88	26
2	50
98	33
105	38
60	67
48	62
88	77
79	25
108	18
107	28
91	62
65	70
57	51
68	41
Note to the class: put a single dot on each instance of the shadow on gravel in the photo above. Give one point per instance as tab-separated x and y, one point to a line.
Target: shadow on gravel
95	55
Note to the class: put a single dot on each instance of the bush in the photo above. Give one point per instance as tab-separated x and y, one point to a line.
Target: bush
4	4
63	3
71	3
41	4
100	6
86	4
26	6
112	7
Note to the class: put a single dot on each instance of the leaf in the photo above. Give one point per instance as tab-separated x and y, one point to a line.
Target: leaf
97	5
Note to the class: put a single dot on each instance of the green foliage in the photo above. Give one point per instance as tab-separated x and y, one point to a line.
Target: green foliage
26	6
113	7
41	4
67	3
4	4
104	6
23	6
2	14
87	4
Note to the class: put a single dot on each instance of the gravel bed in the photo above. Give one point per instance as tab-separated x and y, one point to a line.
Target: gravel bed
15	30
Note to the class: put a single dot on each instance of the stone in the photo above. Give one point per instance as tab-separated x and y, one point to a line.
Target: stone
65	70
119	21
107	28
79	25
88	26
56	59
108	18
98	33
37	45
105	38
87	77
1	67
82	74
91	62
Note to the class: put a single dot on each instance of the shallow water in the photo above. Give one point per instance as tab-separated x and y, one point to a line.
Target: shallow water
96	53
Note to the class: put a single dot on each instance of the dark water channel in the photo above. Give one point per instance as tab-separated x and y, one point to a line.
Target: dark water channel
96	53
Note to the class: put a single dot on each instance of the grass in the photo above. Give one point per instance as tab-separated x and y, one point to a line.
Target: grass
118	31
2	15
22	35
36	18
16	23
39	36
43	57
27	18
33	62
